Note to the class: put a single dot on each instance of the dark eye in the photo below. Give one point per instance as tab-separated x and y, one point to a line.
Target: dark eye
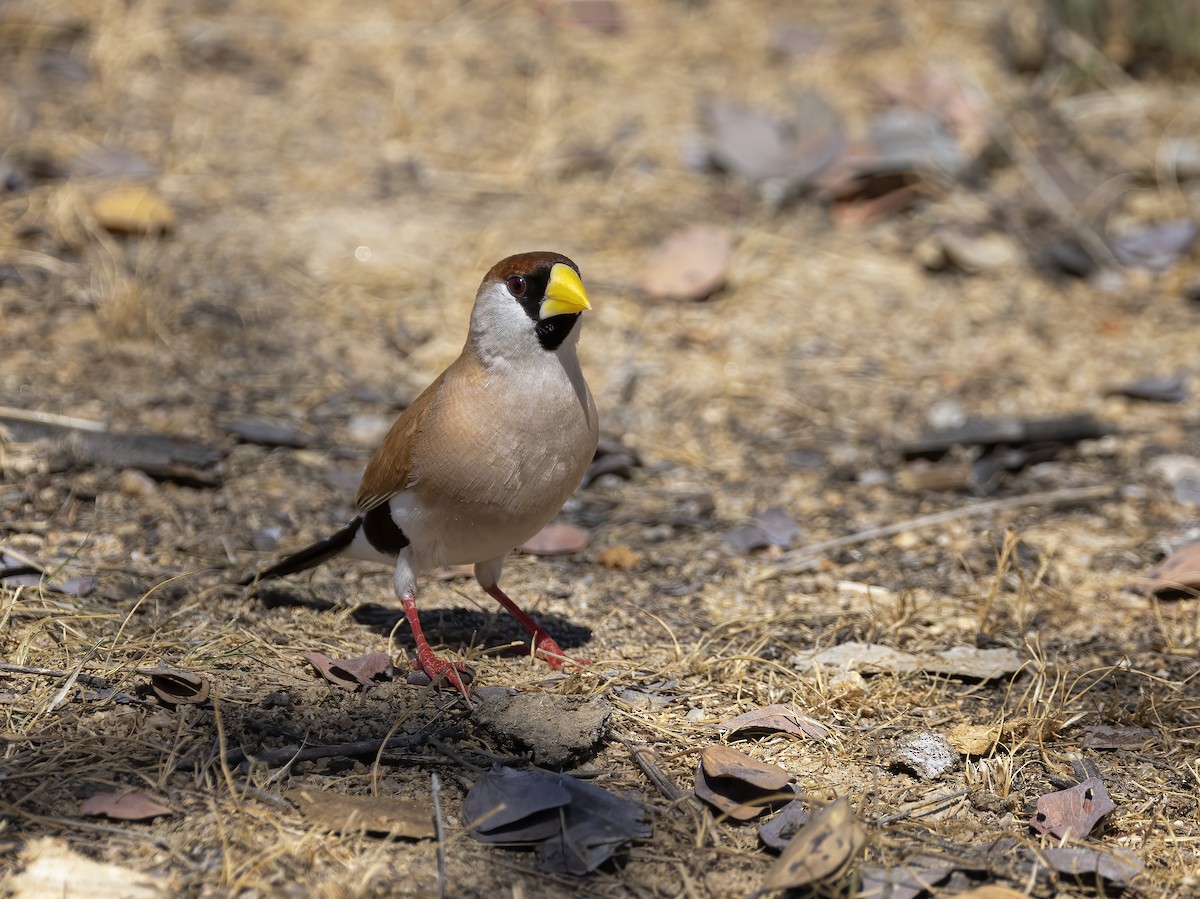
516	286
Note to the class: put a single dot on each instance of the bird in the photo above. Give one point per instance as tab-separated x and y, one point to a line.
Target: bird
484	457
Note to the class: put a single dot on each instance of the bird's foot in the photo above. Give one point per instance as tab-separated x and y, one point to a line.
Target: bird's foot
547	650
429	669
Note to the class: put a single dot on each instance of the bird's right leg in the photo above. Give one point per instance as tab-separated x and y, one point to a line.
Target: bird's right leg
427	660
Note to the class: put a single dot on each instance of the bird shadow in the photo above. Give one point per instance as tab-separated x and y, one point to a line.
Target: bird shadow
454	626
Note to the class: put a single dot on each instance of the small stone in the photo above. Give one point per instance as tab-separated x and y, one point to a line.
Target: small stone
927	755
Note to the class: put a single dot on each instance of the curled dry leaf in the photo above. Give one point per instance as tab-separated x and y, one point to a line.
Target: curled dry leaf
176	686
736	784
556	539
123	806
396	816
782	827
777	717
358	673
1176	575
1118	866
1072	813
819	850
691	264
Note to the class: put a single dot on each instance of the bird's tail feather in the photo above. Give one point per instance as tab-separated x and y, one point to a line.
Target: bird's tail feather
310	556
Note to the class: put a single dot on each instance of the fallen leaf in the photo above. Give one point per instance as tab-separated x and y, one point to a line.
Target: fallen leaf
777	718
556	539
175	686
1103	737
132	209
1156	246
959	661
1156	389
736	784
691	264
51	868
783	826
724	761
1176	575
577	826
509	806
1118	866
770	527
1072	813
819	850
974	739
992	891
396	816
359	673
905	881
123	806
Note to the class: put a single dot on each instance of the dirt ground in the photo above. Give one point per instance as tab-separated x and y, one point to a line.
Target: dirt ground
340	177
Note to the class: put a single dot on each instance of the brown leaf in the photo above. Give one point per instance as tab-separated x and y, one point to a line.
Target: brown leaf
736	798
777	717
176	686
819	850
133	209
1103	737
1119	866
556	539
396	816
1177	574
723	761
123	806
691	264
1072	813
359	673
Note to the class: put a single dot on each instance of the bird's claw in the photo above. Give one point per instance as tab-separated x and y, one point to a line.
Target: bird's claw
548	651
430	669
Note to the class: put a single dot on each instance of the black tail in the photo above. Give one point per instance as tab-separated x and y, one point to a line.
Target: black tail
310	556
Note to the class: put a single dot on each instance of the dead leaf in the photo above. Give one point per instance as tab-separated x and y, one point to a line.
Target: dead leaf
783	826
974	739
959	661
1103	737
905	881
770	527
176	686
1072	813
123	806
556	539
133	209
1177	574
1155	246
723	761
395	816
51	868
359	673
577	825
819	850
1118	866
736	784
691	264
777	717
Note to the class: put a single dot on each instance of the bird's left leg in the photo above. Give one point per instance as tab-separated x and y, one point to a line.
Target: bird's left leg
544	646
436	668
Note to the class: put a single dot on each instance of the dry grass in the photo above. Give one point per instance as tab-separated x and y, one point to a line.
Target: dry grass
441	136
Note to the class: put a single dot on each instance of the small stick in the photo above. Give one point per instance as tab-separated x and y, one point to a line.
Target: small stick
435	787
646	759
806	557
88	679
353	749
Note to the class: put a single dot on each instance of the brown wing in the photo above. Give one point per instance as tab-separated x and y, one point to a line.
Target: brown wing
390	470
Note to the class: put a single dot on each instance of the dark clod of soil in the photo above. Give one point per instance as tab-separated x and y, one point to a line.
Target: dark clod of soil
558	730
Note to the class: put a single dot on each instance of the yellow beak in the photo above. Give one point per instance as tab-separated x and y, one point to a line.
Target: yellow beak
564	293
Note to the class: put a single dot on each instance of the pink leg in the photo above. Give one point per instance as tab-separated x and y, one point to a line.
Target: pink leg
544	645
427	661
